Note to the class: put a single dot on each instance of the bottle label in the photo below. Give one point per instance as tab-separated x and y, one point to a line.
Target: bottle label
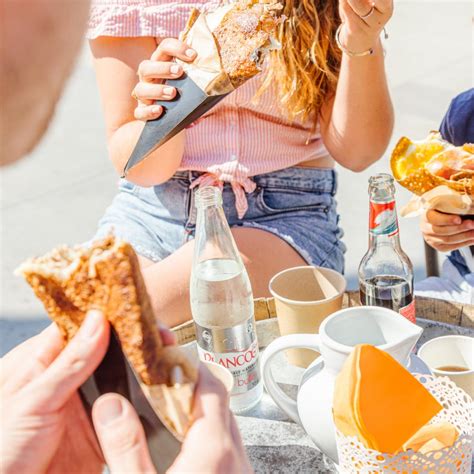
383	218
236	349
409	311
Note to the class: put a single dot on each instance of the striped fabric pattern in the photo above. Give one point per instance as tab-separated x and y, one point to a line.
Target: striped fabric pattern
241	136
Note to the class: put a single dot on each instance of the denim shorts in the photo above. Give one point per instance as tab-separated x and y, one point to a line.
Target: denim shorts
296	204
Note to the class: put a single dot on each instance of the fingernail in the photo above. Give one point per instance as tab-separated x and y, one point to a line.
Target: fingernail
156	109
190	53
168	91
109	410
92	323
175	69
457	220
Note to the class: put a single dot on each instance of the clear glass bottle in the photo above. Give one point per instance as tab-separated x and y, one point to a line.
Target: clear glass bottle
222	301
386	272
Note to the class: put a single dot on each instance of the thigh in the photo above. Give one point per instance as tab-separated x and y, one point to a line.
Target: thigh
264	254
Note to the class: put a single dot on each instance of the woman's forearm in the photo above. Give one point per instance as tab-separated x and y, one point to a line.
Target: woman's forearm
157	168
360	123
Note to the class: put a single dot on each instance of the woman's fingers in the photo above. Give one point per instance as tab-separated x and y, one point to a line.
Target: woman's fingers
121	435
149	71
361	7
148	112
73	365
147	91
171	48
372	13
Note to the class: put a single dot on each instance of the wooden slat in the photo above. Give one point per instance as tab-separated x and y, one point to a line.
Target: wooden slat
427	308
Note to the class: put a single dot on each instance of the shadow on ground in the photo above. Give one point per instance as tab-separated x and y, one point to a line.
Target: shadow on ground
14	330
283	459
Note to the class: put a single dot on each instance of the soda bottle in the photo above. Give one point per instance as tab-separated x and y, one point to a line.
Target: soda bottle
222	302
386	272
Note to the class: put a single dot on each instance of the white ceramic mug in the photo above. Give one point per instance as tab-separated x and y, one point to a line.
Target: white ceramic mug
454	351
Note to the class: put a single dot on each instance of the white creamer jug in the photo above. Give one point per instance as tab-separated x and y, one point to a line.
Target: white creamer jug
338	334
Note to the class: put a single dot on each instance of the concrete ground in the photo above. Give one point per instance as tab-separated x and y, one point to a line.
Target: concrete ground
58	194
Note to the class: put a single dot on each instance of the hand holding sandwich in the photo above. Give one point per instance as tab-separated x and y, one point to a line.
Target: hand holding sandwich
44	424
446	232
46	429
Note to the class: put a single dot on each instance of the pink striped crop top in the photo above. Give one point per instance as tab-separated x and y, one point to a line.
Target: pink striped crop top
238	138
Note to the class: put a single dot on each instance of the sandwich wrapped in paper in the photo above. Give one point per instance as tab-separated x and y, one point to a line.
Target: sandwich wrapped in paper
231	43
388	420
159	380
439	174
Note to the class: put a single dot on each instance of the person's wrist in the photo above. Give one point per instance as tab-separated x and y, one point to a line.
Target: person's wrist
357	41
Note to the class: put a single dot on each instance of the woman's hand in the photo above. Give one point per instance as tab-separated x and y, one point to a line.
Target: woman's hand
446	232
363	22
152	73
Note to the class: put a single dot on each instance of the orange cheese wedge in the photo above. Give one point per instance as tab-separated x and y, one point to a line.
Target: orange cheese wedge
379	401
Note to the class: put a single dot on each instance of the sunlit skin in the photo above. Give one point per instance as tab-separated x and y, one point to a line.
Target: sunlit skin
356	125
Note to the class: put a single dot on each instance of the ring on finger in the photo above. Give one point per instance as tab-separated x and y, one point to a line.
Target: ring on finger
370	12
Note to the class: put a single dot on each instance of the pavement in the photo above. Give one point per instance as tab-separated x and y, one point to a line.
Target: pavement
58	193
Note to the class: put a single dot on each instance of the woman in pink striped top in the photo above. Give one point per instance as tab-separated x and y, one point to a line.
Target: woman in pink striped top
271	145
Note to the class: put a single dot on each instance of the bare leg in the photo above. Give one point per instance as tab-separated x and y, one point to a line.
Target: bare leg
264	254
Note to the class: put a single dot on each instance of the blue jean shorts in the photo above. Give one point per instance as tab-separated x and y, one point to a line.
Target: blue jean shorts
296	204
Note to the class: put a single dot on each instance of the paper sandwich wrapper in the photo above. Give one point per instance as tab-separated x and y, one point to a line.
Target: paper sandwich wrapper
388	420
155	405
441	198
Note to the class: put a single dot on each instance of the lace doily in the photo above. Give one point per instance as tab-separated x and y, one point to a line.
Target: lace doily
354	457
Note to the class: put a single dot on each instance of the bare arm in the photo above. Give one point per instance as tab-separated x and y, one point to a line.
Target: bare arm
117	61
357	125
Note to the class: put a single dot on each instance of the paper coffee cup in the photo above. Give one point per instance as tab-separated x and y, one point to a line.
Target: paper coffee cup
447	355
304	297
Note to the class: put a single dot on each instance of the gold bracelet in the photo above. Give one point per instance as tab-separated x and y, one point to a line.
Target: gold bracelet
352	54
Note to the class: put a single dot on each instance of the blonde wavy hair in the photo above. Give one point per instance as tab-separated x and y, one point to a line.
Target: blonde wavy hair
303	73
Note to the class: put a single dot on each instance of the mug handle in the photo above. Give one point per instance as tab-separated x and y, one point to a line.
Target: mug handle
291	341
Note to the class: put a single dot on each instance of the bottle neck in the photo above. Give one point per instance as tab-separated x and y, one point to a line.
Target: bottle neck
383	223
214	238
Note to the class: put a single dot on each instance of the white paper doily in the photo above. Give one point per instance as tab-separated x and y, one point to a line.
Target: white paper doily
354	457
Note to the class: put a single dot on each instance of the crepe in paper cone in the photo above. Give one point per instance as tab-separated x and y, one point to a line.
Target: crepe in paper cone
231	43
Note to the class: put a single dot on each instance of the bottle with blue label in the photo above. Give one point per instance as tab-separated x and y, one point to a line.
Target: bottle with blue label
386	272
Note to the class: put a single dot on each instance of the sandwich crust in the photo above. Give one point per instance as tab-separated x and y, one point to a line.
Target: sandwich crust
107	277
